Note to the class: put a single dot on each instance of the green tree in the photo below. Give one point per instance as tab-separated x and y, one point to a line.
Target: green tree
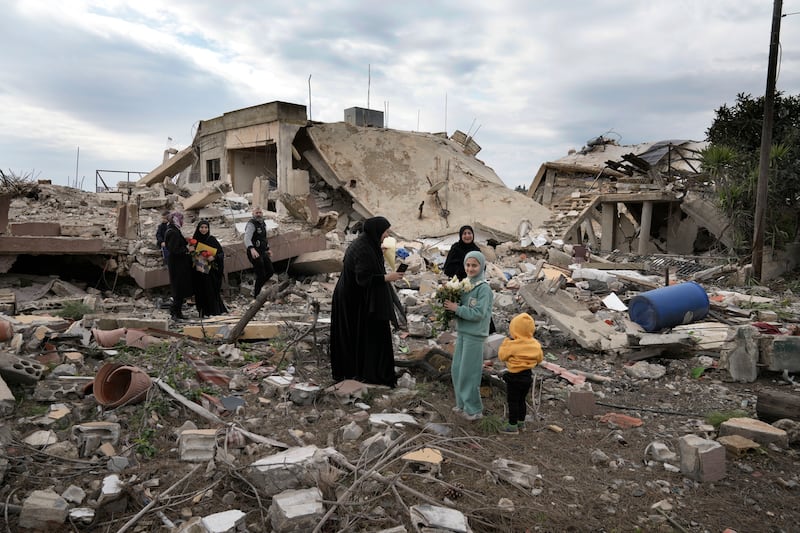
732	162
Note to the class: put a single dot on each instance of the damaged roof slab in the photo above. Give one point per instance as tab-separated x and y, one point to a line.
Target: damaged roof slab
424	184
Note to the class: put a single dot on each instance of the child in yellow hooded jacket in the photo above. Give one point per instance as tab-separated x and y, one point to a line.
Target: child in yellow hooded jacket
521	353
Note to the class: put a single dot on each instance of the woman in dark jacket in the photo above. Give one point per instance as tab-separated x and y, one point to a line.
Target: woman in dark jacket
362	311
208	285
454	263
179	264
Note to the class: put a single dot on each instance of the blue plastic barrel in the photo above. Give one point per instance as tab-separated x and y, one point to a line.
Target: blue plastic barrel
669	306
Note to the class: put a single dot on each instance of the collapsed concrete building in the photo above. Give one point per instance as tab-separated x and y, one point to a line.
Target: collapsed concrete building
638	201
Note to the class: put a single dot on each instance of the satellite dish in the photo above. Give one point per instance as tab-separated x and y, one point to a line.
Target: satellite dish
436	186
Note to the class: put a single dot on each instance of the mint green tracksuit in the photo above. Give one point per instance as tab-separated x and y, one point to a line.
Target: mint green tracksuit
472	324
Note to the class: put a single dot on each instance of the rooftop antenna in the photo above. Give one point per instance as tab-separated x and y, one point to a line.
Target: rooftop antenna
309	97
386	113
369	81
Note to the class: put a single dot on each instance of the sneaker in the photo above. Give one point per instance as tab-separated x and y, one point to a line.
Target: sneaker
472	417
457	410
510	429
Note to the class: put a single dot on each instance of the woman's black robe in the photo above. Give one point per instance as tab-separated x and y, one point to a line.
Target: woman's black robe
362	311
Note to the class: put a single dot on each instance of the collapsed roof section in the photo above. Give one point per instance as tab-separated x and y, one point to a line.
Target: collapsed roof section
425	184
632	198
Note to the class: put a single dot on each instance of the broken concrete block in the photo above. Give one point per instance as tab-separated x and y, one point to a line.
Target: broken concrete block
74	494
277	386
296	510
304	393
320	262
702	459
43	510
791	427
22	370
351	431
42	438
645	370
581	403
377	444
492	345
89	436
419	328
61	388
7	400
381	420
201	199
197	444
82	515
224	522
290	469
658	451
8	306
784	354
741	362
756	430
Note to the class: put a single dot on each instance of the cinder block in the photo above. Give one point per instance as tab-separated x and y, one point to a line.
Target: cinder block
581	403
287	470
296	510
15	369
89	436
304	393
197	444
61	389
702	459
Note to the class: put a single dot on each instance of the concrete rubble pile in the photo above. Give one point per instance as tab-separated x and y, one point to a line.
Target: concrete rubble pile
242	409
54	360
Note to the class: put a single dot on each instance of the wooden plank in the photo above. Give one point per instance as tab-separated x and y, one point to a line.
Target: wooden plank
253	330
773	405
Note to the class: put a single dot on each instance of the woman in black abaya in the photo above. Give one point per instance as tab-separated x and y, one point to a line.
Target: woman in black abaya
362	311
208	286
454	263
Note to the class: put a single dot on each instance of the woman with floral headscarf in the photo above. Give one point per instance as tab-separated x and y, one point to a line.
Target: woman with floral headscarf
362	311
473	314
179	264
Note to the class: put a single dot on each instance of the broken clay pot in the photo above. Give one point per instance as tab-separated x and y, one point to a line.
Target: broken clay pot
116	384
108	338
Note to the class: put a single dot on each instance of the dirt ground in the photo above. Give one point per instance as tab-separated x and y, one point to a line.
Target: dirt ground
592	476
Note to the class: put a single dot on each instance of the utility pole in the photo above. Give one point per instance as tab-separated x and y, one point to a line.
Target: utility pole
766	143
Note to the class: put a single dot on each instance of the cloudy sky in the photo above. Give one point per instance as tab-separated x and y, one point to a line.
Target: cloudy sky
114	81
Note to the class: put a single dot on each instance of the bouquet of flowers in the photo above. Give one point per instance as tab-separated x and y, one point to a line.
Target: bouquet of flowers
451	290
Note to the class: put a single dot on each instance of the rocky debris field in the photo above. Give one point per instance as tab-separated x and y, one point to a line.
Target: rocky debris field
253	435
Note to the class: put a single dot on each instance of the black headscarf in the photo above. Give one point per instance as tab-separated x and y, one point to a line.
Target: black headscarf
199	236
454	263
